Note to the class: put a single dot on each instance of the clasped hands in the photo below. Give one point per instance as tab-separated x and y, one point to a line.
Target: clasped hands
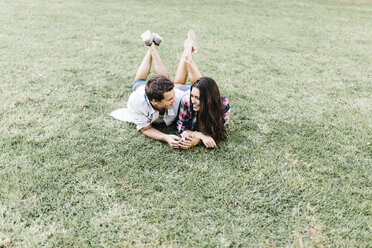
186	142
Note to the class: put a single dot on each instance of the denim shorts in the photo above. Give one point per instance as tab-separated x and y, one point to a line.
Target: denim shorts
137	83
140	82
184	87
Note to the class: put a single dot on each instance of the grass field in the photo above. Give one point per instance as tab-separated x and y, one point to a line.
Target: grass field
296	168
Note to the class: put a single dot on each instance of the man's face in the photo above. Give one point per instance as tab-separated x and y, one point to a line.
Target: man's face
167	102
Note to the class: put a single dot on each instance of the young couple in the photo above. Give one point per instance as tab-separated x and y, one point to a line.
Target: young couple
201	113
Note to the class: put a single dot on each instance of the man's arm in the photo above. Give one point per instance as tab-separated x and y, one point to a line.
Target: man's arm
155	134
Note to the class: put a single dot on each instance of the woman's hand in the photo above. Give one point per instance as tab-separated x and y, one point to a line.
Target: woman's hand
208	141
188	140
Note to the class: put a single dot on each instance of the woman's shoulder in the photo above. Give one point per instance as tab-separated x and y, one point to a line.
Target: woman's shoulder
226	105
225	101
186	99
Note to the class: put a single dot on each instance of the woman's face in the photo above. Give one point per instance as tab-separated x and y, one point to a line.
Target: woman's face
195	98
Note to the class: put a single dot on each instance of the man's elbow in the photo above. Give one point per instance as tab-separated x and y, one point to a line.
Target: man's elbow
145	129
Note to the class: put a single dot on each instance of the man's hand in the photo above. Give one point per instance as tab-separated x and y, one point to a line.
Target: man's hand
155	134
172	140
185	143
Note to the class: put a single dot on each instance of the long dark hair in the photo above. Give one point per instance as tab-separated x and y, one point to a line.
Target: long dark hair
211	113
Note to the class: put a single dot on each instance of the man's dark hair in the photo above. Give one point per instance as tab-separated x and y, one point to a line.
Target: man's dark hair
156	86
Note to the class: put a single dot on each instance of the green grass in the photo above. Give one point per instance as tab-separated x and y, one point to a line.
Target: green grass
294	172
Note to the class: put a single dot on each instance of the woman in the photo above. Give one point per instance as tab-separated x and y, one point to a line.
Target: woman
203	112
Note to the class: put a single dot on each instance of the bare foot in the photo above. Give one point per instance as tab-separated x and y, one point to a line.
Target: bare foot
191	35
188	48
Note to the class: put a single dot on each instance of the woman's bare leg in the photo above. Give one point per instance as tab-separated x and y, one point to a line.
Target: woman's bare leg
194	73
144	69
181	73
160	68
192	69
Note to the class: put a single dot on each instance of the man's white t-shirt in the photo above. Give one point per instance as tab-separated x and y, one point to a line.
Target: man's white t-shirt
140	112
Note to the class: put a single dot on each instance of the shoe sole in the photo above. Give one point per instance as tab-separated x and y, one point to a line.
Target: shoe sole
157	39
147	37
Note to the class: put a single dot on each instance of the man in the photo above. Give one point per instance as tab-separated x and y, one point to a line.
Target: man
154	101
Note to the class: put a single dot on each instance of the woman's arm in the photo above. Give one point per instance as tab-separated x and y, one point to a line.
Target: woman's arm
190	141
195	138
208	141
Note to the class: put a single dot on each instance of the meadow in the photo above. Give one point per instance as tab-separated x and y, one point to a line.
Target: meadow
295	171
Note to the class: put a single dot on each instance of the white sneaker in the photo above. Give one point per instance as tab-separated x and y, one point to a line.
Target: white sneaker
157	39
147	37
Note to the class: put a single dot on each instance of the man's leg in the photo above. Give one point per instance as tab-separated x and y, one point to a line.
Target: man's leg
144	69
142	72
160	68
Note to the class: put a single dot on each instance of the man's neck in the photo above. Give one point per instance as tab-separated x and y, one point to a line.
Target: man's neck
161	111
